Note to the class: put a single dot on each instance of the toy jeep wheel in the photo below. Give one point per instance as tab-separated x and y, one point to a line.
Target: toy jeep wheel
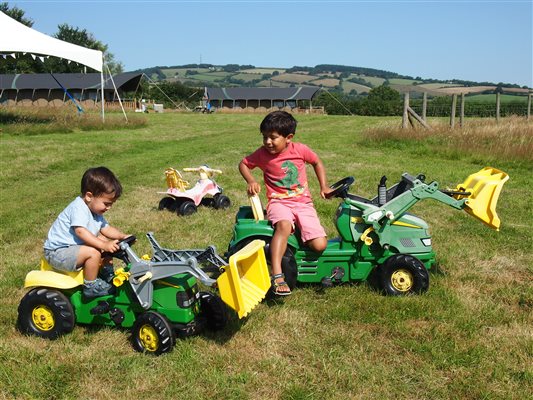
186	208
221	201
403	274
153	334
45	313
214	310
167	203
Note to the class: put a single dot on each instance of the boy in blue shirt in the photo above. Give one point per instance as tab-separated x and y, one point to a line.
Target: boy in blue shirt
80	233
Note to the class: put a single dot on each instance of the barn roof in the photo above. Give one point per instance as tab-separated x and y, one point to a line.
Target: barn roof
127	81
251	93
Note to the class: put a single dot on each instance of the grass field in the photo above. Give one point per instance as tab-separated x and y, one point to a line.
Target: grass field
469	337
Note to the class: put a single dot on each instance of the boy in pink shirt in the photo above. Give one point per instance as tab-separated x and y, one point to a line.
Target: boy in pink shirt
289	201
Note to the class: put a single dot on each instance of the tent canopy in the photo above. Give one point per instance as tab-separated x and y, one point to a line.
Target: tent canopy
17	37
127	81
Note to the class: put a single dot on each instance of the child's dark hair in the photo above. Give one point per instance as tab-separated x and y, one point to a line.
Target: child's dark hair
279	121
100	180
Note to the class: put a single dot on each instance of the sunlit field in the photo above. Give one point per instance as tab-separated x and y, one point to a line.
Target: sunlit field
468	337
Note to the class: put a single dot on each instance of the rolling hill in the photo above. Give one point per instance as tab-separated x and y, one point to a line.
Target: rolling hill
340	78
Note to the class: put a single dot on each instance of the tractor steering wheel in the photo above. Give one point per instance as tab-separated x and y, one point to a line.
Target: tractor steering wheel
118	254
340	188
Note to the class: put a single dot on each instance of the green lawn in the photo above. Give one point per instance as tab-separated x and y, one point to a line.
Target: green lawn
468	337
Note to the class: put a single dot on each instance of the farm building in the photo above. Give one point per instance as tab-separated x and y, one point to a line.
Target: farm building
252	98
49	90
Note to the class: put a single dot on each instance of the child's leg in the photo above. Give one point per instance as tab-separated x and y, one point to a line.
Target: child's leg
318	245
312	232
278	246
90	259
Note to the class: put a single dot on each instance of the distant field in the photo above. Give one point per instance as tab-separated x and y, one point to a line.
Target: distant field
349	86
273	83
327	82
463	89
171	72
263	70
204	77
246	76
293	78
397	81
433	86
375	81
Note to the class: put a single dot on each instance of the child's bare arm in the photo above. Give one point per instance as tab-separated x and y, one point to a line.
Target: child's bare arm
320	172
253	186
90	240
111	232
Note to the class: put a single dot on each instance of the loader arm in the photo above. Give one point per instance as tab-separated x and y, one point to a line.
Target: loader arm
478	196
382	217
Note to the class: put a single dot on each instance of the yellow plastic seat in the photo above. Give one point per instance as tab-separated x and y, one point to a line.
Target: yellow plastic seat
484	188
49	277
246	280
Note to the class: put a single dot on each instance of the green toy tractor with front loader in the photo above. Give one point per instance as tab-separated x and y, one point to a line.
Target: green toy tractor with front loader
158	298
377	237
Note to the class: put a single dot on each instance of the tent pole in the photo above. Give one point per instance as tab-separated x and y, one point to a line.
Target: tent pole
102	92
116	92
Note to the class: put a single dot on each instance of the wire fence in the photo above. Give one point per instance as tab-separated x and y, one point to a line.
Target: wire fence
519	105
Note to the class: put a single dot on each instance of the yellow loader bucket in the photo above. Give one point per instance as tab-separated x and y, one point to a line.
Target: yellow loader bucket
246	280
484	188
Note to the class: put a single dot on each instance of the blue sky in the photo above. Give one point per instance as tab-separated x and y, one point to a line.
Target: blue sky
470	40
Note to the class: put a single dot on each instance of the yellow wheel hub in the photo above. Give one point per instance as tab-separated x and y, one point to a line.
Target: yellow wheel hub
148	337
43	318
402	280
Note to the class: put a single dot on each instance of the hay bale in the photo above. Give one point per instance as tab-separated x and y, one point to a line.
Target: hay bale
40	102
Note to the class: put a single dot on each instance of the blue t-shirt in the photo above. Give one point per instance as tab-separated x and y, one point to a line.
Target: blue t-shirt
77	213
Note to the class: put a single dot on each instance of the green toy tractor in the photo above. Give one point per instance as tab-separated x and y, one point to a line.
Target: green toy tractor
377	237
159	299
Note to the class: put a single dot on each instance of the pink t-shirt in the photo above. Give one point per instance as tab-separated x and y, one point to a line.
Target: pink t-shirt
284	173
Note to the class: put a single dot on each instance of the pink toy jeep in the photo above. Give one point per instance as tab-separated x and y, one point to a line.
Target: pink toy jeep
185	201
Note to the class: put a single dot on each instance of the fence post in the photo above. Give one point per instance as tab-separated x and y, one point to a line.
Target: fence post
452	114
424	105
405	118
529	105
462	116
497	107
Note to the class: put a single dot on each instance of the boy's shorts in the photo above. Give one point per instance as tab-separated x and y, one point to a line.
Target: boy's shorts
64	258
303	215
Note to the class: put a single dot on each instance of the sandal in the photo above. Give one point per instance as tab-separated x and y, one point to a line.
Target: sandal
277	285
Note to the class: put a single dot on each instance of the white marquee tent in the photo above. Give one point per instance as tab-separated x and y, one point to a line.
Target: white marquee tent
16	37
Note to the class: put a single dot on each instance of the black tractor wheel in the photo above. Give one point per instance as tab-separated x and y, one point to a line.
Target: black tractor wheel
46	313
222	202
403	274
186	208
288	262
213	309
167	203
152	333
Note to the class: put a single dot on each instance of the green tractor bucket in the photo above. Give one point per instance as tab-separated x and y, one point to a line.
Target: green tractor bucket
482	191
246	281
